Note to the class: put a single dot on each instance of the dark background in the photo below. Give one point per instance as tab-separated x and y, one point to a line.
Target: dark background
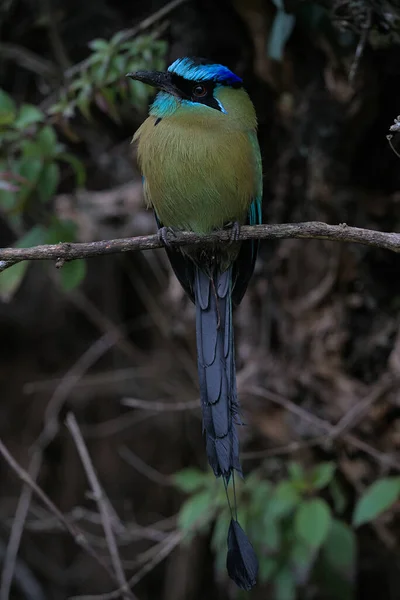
319	326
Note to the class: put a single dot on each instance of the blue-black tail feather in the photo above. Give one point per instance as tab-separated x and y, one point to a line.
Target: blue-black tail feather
214	293
219	402
217	373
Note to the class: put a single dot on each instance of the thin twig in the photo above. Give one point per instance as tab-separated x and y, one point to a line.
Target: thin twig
380	457
102	502
24	579
167	548
76	533
311	230
47	435
361	46
361	408
28	59
137	463
160	406
17	529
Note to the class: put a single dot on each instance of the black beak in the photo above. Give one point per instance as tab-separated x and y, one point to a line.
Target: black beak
158	79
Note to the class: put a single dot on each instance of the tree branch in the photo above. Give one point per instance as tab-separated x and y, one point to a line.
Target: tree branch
313	230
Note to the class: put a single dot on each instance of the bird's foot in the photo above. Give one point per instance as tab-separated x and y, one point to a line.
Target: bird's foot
163	234
234	231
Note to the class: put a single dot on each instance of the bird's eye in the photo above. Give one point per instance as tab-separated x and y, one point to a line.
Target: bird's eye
199	90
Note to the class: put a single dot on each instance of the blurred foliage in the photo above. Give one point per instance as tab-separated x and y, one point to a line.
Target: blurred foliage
296	525
102	81
31	154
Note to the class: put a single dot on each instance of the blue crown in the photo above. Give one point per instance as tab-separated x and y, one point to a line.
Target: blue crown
197	69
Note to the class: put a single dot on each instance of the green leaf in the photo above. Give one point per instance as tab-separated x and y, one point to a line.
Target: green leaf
284	499
118	37
46	140
48	181
30	168
302	557
380	496
284	585
72	274
312	522
28	115
296	471
61	231
99	45
190	480
340	548
196	511
11	279
338	496
33	237
8	109
322	475
83	101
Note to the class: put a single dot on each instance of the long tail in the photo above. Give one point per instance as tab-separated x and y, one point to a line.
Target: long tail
218	394
217	373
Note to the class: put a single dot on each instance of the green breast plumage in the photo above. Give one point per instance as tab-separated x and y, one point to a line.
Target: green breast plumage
196	178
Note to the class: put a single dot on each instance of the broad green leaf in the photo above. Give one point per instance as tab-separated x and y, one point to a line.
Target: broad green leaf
11	278
83	101
8	109
302	558
29	168
196	511
190	480
28	115
99	45
46	140
30	149
380	496
284	585
118	37
340	548
322	475
283	500
72	274
48	181
312	521
61	231
33	237
296	471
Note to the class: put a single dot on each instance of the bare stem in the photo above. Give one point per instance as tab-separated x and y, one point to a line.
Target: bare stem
312	230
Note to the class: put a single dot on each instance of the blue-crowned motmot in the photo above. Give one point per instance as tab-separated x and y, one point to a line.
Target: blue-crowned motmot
201	166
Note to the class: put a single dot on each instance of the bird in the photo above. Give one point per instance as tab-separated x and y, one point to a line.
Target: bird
200	161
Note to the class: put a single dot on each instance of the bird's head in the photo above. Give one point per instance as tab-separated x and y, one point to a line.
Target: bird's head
199	90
